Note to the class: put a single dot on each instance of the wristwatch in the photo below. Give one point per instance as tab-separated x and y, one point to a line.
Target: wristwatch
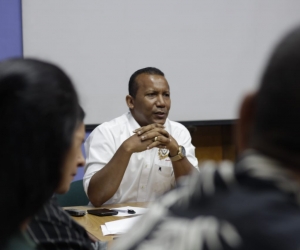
180	155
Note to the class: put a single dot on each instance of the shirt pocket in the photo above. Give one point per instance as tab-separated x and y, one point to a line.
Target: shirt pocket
164	178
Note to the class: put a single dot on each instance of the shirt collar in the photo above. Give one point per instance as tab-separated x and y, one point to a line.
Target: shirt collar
132	122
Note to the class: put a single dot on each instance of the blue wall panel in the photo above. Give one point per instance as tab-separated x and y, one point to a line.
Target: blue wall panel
11	42
10	29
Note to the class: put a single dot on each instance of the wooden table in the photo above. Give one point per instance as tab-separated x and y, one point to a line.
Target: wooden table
92	223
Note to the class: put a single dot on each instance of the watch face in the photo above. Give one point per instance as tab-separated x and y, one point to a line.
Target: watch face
182	151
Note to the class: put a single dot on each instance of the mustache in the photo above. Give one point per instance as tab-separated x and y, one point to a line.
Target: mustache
160	111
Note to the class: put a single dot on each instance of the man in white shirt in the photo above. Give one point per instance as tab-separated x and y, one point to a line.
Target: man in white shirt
139	155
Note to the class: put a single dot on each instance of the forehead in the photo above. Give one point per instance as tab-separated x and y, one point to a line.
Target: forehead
156	82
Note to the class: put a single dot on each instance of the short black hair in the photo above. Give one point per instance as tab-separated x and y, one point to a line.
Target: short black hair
39	111
133	86
277	118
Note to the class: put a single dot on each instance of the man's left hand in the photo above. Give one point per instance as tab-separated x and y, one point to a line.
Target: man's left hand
159	136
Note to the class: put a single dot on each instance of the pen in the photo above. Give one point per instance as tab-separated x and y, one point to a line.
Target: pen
129	211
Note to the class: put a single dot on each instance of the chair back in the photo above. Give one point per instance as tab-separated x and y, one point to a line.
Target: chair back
74	197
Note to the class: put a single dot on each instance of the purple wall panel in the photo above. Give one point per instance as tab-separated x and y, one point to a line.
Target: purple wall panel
10	29
11	41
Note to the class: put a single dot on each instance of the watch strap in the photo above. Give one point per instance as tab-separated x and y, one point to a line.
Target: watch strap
179	155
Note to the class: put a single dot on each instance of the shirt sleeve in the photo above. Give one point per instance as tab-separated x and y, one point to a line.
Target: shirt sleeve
100	148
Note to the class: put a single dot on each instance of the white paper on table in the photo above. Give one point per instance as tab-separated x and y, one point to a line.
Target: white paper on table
104	230
138	211
118	226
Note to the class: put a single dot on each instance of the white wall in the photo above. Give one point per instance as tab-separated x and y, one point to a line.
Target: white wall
211	51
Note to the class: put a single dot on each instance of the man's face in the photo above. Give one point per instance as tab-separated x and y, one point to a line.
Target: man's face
73	160
152	102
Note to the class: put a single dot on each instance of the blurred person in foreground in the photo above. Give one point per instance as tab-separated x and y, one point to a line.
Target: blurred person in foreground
39	112
52	227
254	204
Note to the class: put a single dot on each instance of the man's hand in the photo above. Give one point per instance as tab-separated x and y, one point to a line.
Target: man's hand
134	144
154	135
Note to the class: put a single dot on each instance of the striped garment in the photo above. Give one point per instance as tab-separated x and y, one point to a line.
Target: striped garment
52	228
252	205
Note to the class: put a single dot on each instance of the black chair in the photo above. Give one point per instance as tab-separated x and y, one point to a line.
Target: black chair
74	197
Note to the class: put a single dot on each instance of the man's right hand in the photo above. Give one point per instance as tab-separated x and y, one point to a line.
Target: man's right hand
144	137
134	144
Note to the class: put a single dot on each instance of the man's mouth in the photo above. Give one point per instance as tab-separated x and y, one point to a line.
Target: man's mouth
160	114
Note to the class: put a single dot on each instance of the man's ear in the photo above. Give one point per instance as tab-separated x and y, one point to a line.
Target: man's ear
130	101
245	122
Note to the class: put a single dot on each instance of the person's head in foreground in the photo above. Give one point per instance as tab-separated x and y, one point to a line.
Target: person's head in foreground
74	158
270	118
39	112
254	204
149	96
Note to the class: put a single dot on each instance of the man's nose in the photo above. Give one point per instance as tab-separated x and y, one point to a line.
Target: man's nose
160	101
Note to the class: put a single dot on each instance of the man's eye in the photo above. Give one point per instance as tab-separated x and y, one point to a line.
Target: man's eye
167	94
151	94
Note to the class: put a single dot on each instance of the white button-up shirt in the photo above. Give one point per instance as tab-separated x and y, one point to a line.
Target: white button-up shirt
147	176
